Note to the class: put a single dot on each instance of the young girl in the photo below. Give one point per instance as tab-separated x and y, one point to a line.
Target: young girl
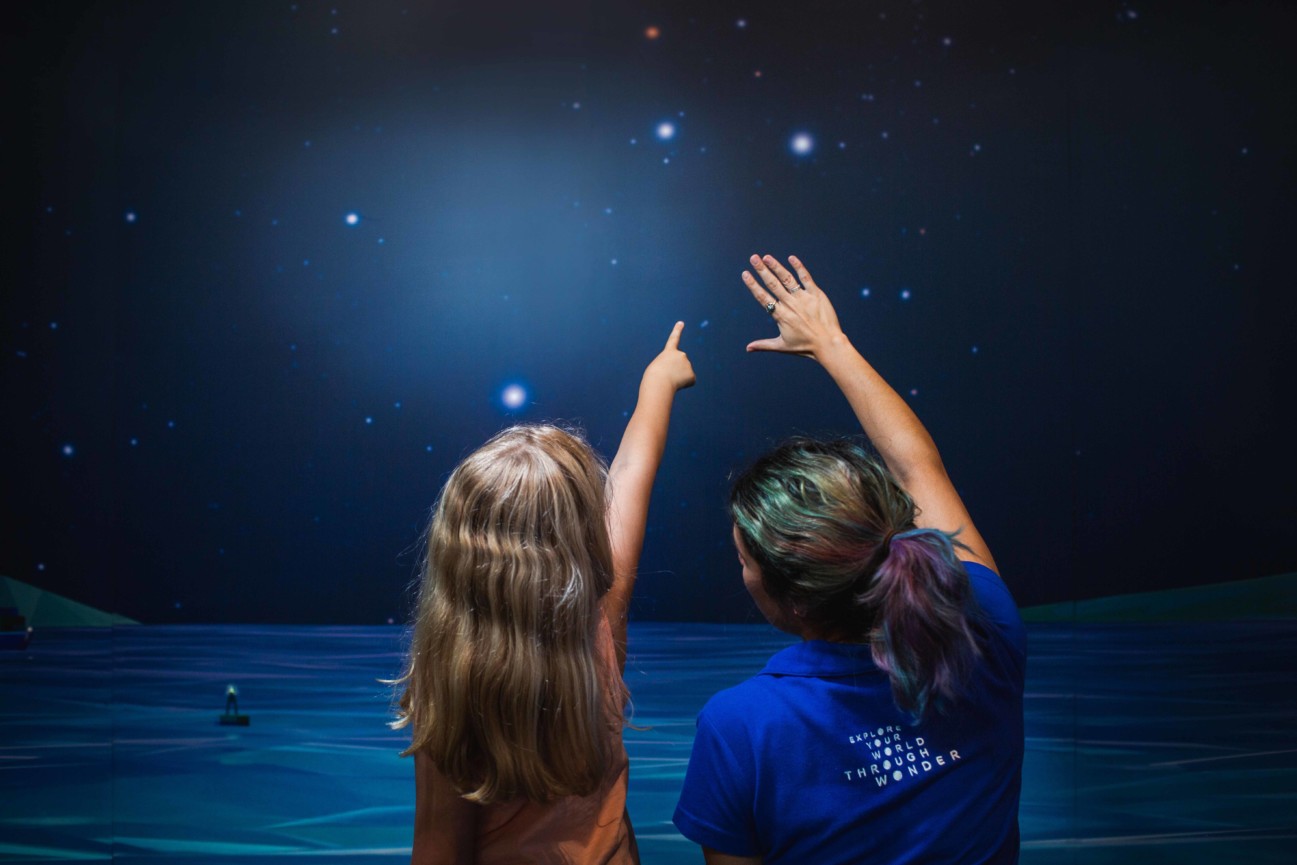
893	732
513	688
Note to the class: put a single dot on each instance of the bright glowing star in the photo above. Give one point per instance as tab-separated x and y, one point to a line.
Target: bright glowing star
741	23
369	420
652	32
40	566
54	325
666	130
352	218
428	448
864	292
947	41
135	442
68	450
130	216
974	349
802	144
576	106
756	73
914	391
513	396
905	294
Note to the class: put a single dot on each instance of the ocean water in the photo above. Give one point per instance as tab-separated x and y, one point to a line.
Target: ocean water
1146	743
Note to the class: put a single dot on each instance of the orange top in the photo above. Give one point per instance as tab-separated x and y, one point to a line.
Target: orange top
573	830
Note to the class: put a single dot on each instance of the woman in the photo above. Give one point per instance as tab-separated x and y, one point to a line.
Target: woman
893	732
513	688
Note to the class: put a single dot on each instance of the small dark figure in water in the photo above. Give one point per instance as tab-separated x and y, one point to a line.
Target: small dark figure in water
231	700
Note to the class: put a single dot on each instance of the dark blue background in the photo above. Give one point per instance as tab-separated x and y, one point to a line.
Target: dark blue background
224	403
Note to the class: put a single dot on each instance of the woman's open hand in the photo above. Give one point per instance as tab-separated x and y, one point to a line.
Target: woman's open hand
807	323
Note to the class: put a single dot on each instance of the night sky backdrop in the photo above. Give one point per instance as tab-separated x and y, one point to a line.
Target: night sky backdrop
275	267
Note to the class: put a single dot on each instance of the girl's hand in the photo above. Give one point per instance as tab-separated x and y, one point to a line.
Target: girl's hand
672	365
807	324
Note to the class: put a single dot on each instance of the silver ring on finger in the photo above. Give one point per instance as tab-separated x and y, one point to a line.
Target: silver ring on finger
770	307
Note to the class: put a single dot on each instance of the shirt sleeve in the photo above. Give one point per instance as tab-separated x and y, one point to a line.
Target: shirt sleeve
716	801
997	604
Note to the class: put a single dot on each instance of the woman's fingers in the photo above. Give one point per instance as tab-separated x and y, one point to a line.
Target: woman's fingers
760	294
802	273
783	278
772	344
761	266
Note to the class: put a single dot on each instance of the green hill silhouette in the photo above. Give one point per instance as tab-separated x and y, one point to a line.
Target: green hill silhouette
1264	597
44	609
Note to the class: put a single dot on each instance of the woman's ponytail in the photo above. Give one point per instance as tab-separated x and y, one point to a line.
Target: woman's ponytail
924	633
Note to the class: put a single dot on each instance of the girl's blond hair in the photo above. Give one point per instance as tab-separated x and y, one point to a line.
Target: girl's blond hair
510	690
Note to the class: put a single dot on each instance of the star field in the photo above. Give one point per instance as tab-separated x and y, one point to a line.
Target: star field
321	251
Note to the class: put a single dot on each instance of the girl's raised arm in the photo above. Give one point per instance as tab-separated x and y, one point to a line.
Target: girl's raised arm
808	326
630	477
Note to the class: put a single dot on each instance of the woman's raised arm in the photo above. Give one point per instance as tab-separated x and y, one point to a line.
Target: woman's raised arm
808	326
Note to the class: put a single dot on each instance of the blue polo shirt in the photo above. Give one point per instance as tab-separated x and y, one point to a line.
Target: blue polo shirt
810	761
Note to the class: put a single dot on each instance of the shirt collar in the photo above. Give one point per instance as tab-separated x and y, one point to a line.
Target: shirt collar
822	658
